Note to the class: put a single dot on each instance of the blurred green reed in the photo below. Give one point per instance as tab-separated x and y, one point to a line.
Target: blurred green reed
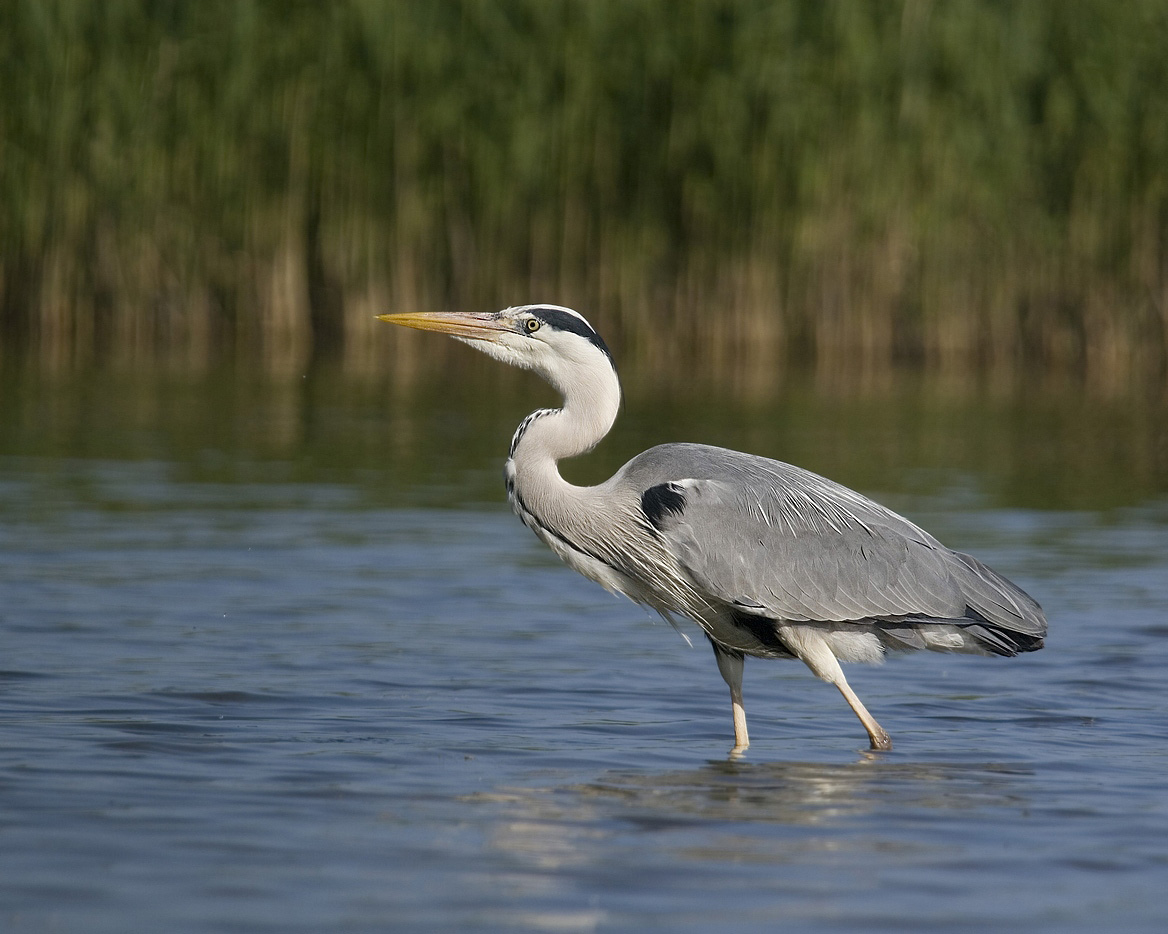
962	184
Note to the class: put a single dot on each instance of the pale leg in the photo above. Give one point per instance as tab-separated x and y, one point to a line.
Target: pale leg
877	736
730	665
810	646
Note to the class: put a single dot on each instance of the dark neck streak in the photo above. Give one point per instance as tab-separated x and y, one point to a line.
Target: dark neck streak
522	429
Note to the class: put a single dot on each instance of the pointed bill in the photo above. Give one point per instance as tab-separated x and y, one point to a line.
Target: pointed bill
467	325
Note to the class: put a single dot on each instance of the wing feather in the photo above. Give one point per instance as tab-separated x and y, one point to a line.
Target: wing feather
795	546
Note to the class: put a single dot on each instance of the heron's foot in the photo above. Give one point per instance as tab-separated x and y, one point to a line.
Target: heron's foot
879	740
738	751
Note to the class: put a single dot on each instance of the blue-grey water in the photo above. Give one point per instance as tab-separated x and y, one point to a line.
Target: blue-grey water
278	663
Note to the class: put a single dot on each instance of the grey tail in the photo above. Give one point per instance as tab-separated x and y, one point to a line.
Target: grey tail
999	639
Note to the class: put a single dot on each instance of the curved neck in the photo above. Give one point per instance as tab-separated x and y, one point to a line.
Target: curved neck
538	494
591	402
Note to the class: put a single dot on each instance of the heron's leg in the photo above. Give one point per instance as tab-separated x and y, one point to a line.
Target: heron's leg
878	738
730	665
810	646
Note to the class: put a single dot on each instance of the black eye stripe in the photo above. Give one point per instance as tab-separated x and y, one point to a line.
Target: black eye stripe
563	321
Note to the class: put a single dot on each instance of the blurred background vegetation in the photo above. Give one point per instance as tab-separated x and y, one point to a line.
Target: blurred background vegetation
968	185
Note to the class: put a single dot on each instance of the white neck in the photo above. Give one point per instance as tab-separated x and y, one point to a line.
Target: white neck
591	401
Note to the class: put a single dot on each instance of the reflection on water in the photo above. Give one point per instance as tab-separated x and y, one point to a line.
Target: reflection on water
440	439
808	792
559	825
770	843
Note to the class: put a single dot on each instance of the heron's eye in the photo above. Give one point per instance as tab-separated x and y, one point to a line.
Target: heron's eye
532	325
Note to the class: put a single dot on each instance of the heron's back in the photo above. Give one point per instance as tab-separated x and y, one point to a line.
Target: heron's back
768	541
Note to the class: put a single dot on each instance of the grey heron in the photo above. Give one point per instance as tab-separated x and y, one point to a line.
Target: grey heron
770	560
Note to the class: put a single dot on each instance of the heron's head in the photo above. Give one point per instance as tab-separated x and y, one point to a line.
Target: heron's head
556	342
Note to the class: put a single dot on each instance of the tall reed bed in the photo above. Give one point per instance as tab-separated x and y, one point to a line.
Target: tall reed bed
962	184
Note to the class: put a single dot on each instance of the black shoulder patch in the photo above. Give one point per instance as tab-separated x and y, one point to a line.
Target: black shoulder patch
563	321
661	500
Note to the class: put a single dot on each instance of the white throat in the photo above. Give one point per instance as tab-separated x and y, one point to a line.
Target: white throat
592	397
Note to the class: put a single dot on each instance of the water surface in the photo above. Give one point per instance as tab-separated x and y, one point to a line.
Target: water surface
277	658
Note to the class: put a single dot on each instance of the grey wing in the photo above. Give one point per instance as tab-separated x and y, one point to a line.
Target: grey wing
773	540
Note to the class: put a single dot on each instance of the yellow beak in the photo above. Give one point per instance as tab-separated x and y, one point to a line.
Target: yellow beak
468	325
